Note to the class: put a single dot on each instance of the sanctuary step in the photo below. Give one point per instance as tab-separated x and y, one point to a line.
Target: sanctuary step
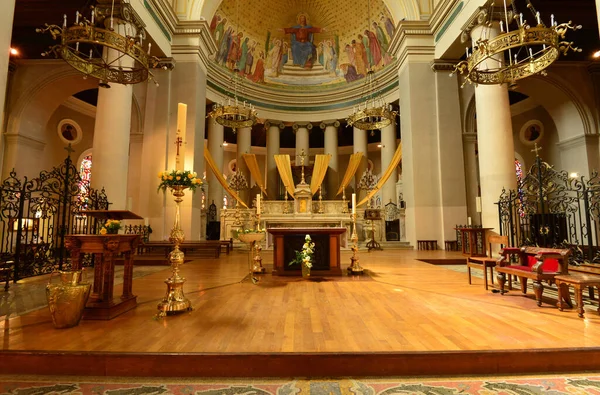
316	70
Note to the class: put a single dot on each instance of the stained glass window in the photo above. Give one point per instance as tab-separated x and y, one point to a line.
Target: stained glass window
521	194
85	173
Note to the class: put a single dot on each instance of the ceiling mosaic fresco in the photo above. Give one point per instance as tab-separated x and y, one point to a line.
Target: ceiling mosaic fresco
302	42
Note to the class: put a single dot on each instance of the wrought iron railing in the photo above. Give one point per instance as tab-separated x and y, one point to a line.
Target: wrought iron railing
36	214
551	209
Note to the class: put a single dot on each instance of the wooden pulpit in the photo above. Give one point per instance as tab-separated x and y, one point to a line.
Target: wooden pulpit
102	305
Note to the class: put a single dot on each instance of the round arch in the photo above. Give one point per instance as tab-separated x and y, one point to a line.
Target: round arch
405	9
571	115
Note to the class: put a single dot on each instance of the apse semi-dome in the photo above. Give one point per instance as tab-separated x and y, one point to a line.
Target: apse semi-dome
287	51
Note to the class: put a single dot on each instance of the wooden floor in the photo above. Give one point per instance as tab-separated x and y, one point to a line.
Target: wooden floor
408	317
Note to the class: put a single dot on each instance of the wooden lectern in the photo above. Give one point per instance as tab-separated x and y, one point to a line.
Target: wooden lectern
102	305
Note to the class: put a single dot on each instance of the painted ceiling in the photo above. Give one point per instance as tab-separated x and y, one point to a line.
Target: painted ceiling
302	43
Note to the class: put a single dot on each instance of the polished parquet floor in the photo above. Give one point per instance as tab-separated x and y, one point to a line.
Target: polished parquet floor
405	305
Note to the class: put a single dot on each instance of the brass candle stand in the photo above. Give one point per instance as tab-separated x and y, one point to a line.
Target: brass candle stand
175	300
344	202
354	267
286	208
321	208
257	266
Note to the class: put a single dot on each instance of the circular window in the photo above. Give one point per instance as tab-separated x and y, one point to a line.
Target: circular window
69	131
531	132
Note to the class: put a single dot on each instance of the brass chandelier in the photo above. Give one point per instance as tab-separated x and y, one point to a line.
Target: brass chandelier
230	113
515	54
372	112
82	44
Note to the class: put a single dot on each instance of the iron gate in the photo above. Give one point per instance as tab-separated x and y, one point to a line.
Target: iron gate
552	209
36	214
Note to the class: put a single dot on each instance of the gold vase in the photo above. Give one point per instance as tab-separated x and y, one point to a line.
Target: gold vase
175	300
67	300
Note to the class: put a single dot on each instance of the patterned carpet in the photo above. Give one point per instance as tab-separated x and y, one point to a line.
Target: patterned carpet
572	384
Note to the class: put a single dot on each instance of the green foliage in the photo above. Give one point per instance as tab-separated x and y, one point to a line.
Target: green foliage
183	178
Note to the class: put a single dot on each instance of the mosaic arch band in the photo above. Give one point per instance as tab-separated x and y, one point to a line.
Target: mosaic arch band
304	51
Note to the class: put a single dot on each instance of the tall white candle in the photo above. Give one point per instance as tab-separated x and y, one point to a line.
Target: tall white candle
354	203
146	221
181	125
258	203
469	221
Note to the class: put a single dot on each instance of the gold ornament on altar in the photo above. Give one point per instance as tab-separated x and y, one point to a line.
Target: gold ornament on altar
67	300
515	54
83	44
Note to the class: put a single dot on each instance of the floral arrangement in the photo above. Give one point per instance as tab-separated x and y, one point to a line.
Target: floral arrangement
304	257
185	178
111	226
240	231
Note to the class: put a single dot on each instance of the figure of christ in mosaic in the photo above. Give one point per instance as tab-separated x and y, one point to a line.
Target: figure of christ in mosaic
304	52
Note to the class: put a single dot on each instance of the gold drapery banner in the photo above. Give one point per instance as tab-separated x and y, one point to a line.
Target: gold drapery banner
319	170
395	160
219	175
285	172
255	171
352	166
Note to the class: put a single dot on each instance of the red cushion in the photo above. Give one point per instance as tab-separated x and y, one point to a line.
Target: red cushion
550	264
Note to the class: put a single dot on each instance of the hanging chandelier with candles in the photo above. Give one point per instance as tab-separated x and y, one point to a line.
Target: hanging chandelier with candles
372	111
82	44
233	112
522	49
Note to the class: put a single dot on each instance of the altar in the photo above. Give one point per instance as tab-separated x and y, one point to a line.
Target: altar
326	258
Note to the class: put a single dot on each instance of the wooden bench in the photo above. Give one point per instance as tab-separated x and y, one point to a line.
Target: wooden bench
227	244
451	245
578	281
487	262
211	248
537	264
6	268
427	244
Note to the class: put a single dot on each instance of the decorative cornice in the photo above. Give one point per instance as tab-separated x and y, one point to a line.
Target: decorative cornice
412	38
122	10
80	106
165	64
578	141
443	65
22	139
330	122
273	122
195	40
443	15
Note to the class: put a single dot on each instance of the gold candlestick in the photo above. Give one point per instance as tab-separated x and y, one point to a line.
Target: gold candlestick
257	267
175	300
286	209
344	202
354	267
321	208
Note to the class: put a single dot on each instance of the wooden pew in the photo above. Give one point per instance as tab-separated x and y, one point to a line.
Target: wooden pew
537	264
206	248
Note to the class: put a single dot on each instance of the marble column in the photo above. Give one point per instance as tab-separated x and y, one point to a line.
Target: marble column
301	129
112	132
495	138
471	176
273	129
388	148
332	180
360	145
215	146
244	146
6	20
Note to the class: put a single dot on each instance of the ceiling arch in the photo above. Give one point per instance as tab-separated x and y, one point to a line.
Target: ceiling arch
399	9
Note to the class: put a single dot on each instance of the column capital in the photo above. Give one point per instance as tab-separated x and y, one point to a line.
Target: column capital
443	65
330	122
481	16
122	10
298	125
469	137
165	64
274	122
